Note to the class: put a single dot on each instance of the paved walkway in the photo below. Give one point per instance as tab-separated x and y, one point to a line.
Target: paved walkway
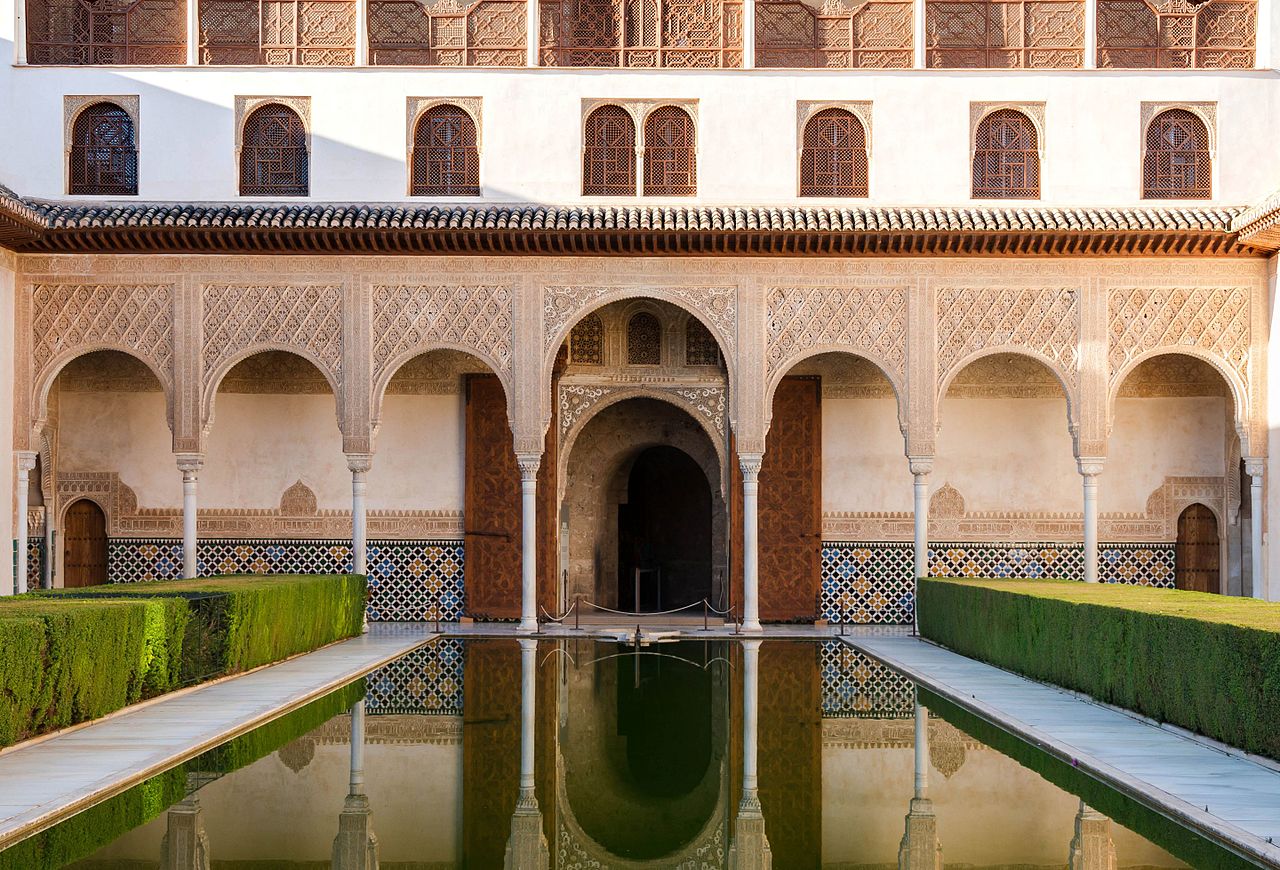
1162	769
46	779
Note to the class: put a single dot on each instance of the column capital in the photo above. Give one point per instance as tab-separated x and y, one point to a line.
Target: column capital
750	463
26	459
359	462
189	463
529	464
1090	466
920	464
1255	466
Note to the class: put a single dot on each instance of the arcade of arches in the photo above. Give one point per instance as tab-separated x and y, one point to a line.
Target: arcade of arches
778	440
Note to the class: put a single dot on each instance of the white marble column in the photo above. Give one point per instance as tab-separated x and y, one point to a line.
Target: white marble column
748	34
1254	467
1090	34
921	466
749	849
359	463
750	465
193	32
356	847
49	543
527	845
362	32
26	464
529	463
533	17
1090	468
189	464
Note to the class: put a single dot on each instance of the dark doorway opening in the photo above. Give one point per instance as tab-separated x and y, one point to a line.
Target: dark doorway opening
84	560
664	533
1197	557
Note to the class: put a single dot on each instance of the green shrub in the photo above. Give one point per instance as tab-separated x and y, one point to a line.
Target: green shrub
1207	663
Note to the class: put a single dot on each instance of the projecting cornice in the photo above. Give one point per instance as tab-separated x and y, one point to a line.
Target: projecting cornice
34	226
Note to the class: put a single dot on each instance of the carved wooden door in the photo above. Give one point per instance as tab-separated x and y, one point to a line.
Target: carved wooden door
491	509
84	534
791	504
1198	552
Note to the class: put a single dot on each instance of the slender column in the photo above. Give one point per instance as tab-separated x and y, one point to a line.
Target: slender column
1090	34
47	578
356	847
359	463
750	464
362	32
189	464
1254	467
193	32
533	16
357	748
527	845
1090	468
919	34
921	466
529	463
749	849
748	34
528	710
26	463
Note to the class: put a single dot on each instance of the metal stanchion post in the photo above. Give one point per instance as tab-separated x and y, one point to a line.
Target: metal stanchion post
705	626
577	612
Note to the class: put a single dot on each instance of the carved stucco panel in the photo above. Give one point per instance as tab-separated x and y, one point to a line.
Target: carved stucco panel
564	304
870	321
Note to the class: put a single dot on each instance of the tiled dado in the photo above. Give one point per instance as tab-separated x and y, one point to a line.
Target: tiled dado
408	580
870	582
427	681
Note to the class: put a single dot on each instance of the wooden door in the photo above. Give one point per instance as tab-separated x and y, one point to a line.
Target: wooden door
791	504
1198	554
84	536
491	508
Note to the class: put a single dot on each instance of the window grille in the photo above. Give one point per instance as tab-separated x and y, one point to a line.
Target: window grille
104	153
1219	34
1176	164
79	32
447	33
1005	34
446	159
833	161
686	34
586	342
273	154
278	32
670	161
700	346
1006	158
876	34
609	153
644	340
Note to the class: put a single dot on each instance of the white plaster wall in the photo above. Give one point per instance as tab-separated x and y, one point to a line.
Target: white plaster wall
8	503
864	466
531	138
421	453
122	432
1159	437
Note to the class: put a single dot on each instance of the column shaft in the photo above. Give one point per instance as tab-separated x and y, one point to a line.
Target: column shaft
748	34
193	32
920	466
528	710
750	717
357	748
362	32
189	465
922	751
359	465
1255	467
26	462
534	18
750	464
1090	34
529	541
1089	470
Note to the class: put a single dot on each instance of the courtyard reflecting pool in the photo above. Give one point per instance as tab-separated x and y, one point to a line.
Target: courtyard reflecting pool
690	754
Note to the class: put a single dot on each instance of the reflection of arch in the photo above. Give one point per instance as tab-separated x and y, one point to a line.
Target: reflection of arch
213	380
45	381
1065	382
881	364
1238	390
396	363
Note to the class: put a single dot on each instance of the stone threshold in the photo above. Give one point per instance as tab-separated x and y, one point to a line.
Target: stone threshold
1215	791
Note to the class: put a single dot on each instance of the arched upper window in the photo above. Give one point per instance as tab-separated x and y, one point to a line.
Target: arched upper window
644	340
104	152
1006	157
609	153
1176	164
670	145
833	161
700	346
145	32
273	153
446	157
586	342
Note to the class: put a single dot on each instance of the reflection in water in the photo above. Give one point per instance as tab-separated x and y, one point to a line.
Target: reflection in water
576	754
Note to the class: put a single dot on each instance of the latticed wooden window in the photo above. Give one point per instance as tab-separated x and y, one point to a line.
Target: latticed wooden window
273	153
685	34
644	340
586	342
278	32
104	152
1136	34
700	346
1006	157
106	31
1005	34
446	159
835	35
833	161
670	153
609	153
1177	164
447	33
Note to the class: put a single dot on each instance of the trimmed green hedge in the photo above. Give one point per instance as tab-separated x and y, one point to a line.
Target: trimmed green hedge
1208	663
67	656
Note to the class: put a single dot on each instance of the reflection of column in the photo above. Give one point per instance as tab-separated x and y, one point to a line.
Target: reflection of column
189	464
1090	468
359	464
185	845
750	847
920	468
750	464
920	849
529	463
1092	847
26	463
527	846
1254	467
356	847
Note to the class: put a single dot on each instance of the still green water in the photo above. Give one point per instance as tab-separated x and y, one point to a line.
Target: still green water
585	754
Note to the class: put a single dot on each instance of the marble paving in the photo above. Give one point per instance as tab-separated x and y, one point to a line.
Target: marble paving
1225	795
51	777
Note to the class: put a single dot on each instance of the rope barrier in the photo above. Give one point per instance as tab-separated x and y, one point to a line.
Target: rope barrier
574	610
